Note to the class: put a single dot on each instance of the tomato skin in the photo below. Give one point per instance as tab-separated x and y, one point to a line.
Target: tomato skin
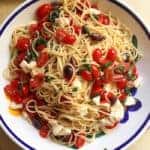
43	11
36	81
42	59
25	90
86	75
19	58
32	30
112	126
77	29
122	83
103	19
97	54
95	72
80	141
63	37
97	88
44	130
23	44
122	97
40	47
111	54
108	75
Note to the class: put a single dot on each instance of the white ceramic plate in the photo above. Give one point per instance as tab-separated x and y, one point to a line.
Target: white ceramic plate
27	136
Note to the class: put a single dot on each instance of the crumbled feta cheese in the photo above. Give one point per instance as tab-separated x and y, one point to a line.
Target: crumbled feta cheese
94	11
64	21
130	101
137	82
13	105
77	83
27	67
117	110
96	100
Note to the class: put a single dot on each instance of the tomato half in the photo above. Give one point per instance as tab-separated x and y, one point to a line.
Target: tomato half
42	59
111	54
97	54
103	19
86	75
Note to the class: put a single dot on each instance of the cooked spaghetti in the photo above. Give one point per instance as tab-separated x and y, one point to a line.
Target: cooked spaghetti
72	71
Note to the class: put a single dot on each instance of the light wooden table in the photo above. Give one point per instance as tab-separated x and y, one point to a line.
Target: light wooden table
142	6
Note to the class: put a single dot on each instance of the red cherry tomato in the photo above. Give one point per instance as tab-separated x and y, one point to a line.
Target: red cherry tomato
112	126
9	90
44	131
77	29
42	59
36	81
43	11
19	58
64	37
80	141
97	88
117	77
95	72
40	47
122	97
32	30
108	75
25	90
86	75
122	83
23	44
112	54
97	54
103	19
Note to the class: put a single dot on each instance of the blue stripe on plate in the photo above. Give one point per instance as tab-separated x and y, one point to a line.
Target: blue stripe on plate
2	29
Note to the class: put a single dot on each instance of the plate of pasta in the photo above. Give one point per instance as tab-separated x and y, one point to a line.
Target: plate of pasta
74	74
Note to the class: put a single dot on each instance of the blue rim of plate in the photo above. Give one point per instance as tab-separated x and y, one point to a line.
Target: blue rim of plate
142	126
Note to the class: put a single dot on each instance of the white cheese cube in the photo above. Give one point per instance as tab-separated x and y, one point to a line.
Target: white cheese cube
77	83
96	100
130	101
117	110
94	11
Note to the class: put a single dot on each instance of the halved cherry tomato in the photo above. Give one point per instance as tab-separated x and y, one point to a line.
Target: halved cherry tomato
122	83
112	126
64	37
44	130
40	47
111	54
111	97
108	75
19	58
97	88
86	75
77	29
80	141
32	30
42	59
95	71
36	81
43	11
25	90
117	77
97	54
103	19
23	44
122	97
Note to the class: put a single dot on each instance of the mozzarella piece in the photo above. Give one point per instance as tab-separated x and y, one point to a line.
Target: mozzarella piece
64	21
27	66
117	110
130	101
138	82
96	100
59	130
77	83
94	11
15	106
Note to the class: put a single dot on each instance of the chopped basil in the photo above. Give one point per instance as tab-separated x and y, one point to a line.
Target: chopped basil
100	134
119	69
86	67
89	136
31	55
131	76
75	89
41	41
54	14
127	90
48	79
134	41
95	16
107	65
85	29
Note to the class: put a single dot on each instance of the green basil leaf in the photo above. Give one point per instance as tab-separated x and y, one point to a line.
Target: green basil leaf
135	41
54	14
48	79
75	89
31	55
107	65
100	134
85	29
41	41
